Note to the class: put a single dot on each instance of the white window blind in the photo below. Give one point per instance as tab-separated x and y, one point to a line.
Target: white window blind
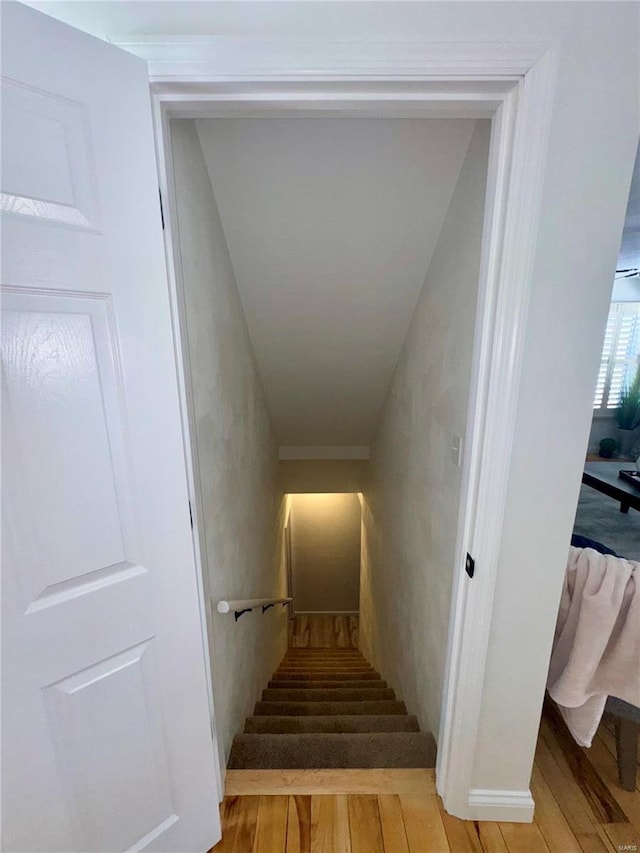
620	354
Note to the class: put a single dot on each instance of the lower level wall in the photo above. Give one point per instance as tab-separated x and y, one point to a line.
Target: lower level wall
325	552
324	631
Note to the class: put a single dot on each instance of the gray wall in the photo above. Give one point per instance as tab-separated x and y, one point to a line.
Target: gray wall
241	507
410	512
602	427
325	546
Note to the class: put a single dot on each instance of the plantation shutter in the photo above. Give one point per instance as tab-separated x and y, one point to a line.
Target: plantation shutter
619	354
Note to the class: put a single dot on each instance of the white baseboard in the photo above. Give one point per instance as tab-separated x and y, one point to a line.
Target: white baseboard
491	804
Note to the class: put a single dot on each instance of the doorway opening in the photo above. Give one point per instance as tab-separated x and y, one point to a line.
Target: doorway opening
497	342
330	276
325	553
322	548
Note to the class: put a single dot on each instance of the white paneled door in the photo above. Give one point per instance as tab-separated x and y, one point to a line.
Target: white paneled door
106	740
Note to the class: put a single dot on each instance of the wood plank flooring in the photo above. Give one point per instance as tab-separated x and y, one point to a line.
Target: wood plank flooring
323	631
580	808
343	781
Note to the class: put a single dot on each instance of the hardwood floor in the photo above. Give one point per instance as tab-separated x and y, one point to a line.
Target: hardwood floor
580	808
324	631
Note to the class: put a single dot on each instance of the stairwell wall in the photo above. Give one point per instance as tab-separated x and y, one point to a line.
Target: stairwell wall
410	507
241	506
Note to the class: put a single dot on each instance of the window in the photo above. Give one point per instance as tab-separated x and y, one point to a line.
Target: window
620	355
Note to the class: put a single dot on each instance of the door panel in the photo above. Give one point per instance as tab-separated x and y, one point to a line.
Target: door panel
106	740
61	389
117	697
47	159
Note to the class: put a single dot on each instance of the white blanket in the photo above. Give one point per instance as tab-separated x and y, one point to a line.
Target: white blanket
596	650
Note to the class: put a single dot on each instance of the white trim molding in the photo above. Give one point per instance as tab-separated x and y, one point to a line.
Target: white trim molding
514	86
206	59
517	159
512	806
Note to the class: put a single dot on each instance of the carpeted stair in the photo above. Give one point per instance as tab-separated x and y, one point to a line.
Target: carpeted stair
329	708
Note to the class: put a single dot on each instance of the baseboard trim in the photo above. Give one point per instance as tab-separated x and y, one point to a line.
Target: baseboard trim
496	805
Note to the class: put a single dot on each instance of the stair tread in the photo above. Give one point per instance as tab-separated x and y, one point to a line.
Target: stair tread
302	670
380	706
339	667
316	683
355	749
327	708
332	723
337	676
327	694
308	654
318	659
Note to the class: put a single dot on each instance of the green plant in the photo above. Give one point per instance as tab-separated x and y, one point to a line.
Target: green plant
608	447
628	411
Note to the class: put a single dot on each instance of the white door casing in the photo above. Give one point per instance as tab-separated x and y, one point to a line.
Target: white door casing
105	718
502	101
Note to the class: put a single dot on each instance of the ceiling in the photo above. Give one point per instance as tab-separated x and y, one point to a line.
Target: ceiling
330	224
352	20
279	19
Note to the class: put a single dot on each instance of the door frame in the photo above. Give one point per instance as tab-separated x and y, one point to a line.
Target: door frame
513	85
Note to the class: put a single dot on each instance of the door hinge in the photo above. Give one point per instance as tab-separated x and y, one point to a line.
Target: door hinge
470	565
190	515
161	207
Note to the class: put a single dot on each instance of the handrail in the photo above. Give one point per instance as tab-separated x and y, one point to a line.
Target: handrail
244	605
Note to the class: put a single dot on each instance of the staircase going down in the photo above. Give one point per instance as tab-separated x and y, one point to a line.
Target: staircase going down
329	708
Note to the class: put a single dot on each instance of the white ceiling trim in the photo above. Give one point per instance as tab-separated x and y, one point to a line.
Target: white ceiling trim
210	58
353	452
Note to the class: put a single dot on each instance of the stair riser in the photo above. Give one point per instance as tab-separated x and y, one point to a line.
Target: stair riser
336	723
391	749
370	694
292	709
